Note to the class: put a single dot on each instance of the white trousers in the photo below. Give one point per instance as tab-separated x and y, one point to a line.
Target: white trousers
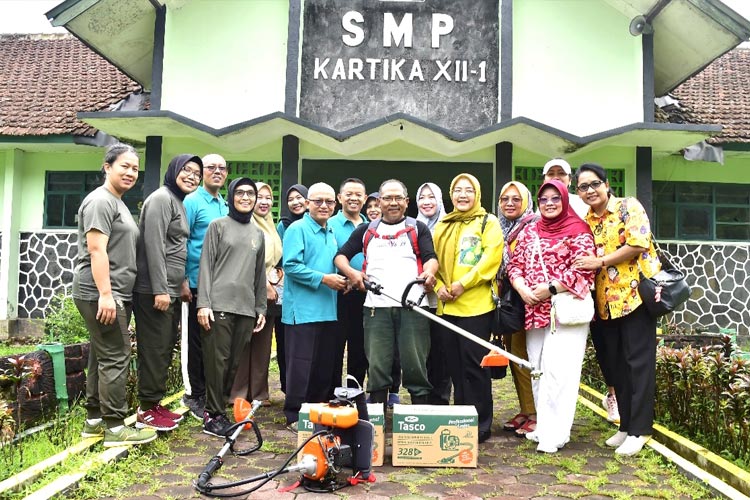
559	356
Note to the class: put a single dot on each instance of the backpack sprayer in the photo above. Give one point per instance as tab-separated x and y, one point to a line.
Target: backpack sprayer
496	356
340	440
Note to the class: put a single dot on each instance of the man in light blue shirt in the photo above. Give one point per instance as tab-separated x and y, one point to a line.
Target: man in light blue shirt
309	312
350	331
201	207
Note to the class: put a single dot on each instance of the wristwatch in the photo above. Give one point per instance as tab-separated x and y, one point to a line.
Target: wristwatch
552	288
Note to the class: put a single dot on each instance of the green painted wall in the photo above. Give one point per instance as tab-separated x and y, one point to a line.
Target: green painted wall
32	180
2	183
575	66
676	168
225	60
174	147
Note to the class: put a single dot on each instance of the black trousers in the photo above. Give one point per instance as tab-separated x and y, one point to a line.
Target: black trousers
278	330
156	335
350	336
600	347
437	365
310	372
196	379
630	350
472	384
225	342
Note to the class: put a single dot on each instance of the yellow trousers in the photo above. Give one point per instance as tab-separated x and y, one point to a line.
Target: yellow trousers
516	345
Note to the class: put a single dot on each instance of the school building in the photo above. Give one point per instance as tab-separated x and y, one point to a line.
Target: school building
319	90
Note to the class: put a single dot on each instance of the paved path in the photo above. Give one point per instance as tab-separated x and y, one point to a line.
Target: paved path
509	467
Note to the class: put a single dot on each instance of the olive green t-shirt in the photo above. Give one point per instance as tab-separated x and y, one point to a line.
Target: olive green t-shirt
232	274
104	212
162	248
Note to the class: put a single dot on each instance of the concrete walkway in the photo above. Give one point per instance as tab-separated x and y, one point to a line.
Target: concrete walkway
509	467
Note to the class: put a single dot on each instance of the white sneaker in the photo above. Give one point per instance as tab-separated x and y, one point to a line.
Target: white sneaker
609	402
546	448
632	445
616	440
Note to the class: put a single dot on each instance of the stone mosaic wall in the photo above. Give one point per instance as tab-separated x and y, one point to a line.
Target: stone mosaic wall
719	276
46	263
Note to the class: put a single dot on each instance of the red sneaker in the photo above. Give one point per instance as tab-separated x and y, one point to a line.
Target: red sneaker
168	414
153	419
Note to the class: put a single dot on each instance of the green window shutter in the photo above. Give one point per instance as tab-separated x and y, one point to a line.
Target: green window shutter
268	172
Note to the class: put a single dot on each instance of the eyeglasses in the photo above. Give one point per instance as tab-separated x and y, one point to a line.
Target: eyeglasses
553	199
328	203
214	168
467	191
245	193
585	187
391	199
189	172
507	199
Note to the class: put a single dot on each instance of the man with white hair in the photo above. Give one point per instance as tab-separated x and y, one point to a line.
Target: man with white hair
309	312
201	207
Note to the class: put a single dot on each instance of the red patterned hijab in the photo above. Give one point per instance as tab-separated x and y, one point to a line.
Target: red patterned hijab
564	225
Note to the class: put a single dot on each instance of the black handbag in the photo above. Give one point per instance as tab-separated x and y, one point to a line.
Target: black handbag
510	312
666	290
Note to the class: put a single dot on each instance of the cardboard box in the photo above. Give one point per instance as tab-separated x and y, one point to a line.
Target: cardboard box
435	436
305	430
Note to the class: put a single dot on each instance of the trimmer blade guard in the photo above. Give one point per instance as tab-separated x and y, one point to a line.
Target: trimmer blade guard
243	409
494	358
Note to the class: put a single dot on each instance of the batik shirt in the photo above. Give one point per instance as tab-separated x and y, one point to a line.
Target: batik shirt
623	223
558	255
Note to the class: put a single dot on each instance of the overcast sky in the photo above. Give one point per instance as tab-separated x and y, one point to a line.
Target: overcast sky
27	16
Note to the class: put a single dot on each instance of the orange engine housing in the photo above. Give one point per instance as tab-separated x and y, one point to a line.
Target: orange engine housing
341	417
318	447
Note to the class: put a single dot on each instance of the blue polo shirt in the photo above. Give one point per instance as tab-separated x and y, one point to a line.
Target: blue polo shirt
309	250
342	229
200	208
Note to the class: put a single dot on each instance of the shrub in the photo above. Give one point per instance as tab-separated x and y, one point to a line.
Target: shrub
64	323
701	393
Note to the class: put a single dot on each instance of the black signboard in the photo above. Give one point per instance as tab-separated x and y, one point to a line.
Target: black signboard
436	60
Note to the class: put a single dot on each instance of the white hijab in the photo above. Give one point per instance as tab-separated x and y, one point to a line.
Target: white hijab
439	213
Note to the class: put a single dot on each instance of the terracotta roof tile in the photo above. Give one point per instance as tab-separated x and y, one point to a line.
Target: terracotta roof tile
46	79
720	94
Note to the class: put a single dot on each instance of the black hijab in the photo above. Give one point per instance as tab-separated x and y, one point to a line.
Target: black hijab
288	219
233	212
173	170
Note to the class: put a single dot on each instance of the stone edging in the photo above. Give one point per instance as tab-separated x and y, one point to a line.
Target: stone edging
720	475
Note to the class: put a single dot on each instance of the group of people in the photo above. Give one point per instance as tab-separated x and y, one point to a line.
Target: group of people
325	282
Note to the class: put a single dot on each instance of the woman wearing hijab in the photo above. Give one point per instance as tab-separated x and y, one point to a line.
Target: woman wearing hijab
542	265
251	381
469	245
295	201
515	209
231	297
430	205
431	210
161	256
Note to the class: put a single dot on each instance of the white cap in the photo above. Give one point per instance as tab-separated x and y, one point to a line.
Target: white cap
557	162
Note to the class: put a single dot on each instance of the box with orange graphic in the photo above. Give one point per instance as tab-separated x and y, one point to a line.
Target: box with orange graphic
435	436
